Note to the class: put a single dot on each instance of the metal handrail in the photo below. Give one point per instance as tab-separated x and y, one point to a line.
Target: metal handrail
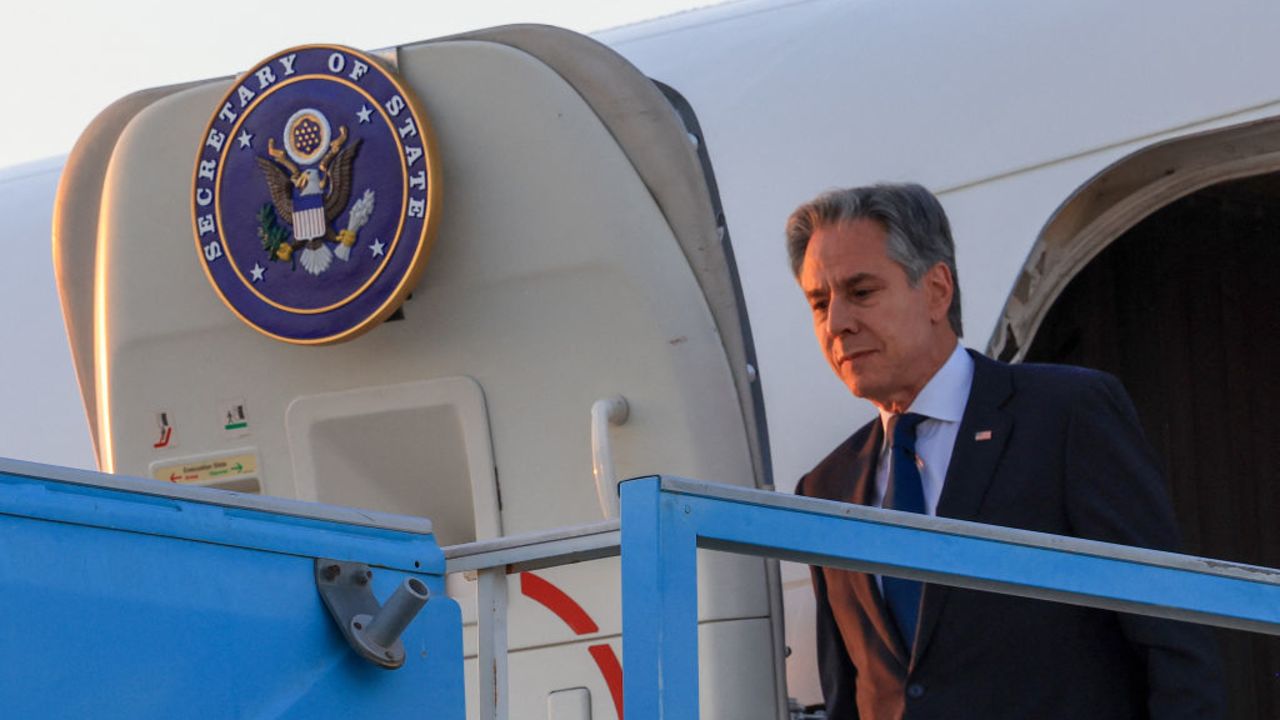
562	546
665	520
491	561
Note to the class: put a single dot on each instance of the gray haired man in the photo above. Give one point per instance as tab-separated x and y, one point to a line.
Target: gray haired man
1050	448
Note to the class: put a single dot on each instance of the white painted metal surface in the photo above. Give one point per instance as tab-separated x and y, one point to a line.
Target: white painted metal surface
492	659
562	274
43	417
1006	109
450	425
569	704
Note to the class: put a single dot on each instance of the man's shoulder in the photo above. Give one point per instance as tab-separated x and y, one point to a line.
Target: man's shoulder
1052	394
831	477
1050	381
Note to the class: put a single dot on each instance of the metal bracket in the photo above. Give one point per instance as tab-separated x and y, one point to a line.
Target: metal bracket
372	630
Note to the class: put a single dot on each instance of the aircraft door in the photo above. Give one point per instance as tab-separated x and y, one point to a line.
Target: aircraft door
577	258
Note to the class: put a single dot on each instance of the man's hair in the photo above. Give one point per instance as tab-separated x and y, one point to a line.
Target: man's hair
918	234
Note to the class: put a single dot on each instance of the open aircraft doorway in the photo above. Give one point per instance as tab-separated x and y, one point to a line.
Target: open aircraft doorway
1181	304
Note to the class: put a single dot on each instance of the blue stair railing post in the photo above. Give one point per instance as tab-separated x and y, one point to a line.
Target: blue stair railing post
660	596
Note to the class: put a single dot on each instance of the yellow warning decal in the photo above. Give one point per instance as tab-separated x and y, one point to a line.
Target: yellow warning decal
208	469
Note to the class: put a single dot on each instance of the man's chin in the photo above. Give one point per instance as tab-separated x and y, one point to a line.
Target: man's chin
862	389
873	393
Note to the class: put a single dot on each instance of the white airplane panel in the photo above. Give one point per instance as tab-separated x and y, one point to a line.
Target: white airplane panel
726	687
44	420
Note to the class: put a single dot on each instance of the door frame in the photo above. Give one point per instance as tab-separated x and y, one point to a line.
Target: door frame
1115	200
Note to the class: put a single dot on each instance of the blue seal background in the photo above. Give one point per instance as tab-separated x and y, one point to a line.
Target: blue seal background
378	165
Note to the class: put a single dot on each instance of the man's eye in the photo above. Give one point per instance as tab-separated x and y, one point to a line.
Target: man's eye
863	293
818	305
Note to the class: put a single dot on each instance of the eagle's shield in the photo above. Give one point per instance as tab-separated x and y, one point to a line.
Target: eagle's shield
308	212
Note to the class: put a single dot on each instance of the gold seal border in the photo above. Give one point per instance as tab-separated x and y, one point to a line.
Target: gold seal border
430	223
404	198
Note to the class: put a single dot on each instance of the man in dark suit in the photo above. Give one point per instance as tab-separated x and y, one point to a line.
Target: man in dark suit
1049	448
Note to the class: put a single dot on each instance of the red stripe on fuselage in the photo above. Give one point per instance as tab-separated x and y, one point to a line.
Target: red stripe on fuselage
565	608
558	602
612	671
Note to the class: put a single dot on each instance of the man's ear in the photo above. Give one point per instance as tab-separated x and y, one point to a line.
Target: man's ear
941	287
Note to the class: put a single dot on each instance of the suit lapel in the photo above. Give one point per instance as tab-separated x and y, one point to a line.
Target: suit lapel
864	466
980	443
864	584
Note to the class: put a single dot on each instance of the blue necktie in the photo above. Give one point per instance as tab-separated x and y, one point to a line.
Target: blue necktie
906	493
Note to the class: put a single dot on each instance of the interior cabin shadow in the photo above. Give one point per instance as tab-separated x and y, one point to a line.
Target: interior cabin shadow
1185	309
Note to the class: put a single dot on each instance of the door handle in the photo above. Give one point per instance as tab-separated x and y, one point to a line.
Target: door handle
605	412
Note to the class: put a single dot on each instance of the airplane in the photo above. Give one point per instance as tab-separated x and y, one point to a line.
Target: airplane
1108	169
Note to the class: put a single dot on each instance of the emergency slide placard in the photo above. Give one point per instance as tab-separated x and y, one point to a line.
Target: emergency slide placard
208	469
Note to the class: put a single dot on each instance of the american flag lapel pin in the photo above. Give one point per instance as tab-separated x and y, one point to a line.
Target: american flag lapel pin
982	435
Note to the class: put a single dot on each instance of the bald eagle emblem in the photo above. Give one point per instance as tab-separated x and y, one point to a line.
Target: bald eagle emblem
310	185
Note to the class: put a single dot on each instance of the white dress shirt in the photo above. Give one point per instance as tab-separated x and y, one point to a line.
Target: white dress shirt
942	402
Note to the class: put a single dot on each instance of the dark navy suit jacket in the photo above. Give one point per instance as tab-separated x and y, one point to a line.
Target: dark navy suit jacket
1066	456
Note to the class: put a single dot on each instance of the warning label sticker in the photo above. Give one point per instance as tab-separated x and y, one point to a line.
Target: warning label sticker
234	421
208	469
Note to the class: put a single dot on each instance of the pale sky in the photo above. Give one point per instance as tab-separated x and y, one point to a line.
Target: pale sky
65	60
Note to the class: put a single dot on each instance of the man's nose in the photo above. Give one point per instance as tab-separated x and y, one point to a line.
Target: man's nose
842	317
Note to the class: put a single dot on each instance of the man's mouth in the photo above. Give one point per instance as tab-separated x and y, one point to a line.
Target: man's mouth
852	357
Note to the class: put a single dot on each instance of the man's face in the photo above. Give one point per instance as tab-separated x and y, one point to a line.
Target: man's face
883	337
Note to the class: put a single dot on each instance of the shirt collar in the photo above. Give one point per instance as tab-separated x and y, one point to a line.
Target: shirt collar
945	395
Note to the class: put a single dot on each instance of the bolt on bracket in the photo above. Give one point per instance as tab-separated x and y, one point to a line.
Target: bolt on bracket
372	630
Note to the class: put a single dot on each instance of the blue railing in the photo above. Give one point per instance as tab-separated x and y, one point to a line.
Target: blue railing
665	520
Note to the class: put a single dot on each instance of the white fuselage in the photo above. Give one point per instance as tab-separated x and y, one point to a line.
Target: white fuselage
1006	110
